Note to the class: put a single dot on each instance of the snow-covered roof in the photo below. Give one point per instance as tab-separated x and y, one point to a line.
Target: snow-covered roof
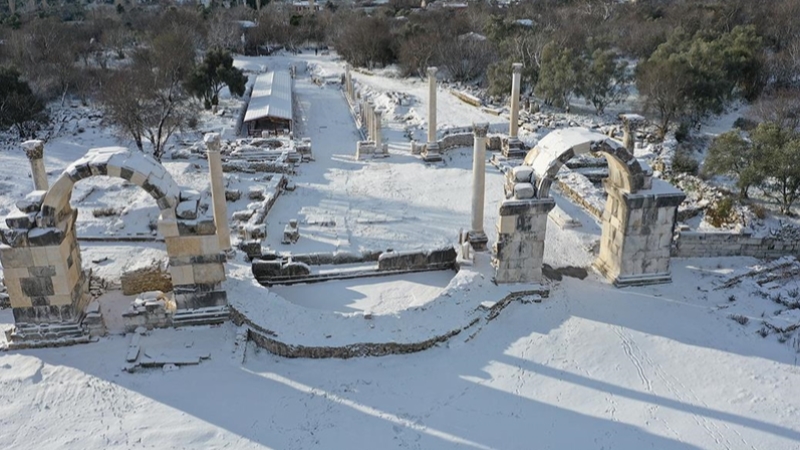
271	97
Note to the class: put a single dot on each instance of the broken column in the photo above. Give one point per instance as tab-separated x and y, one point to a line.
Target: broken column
521	227
514	147
477	237
34	150
212	141
431	151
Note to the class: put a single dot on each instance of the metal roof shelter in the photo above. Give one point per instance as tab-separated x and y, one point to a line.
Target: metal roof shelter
270	107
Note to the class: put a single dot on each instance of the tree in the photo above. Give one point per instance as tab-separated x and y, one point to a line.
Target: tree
209	77
731	154
778	151
147	101
603	79
19	107
558	77
663	87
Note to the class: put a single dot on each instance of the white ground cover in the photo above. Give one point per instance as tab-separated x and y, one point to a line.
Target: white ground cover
591	367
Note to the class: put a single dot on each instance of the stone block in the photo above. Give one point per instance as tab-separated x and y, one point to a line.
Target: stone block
21	220
208	273
522	174
524	191
32	202
187	209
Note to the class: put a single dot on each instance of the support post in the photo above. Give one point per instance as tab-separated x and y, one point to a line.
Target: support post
212	141
477	236
34	150
431	152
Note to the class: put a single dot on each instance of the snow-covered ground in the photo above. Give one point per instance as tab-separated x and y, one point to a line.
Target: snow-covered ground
662	367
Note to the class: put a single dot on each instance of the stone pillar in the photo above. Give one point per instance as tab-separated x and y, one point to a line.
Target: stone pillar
377	127
347	82
477	236
519	250
514	148
637	234
218	190
431	152
34	150
516	80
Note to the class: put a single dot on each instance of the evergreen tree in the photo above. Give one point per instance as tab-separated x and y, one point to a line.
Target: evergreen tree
209	77
19	107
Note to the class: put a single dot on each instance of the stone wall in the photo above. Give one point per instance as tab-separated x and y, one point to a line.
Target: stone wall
438	259
152	278
693	244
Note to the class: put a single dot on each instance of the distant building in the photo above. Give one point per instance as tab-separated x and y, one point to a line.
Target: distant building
270	107
303	7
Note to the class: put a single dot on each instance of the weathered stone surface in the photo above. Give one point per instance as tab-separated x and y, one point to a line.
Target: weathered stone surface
146	279
187	209
32	202
21	220
443	258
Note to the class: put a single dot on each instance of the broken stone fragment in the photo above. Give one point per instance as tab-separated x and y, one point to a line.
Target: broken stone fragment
187	209
32	202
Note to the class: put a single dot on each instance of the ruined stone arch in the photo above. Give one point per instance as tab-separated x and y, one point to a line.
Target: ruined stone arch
555	149
41	256
638	220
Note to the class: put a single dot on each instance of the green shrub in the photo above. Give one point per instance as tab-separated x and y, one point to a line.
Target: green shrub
721	213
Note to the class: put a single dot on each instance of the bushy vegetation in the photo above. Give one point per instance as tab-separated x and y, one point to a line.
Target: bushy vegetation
151	68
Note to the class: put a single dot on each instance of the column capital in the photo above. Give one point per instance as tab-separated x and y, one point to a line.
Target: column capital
480	129
212	141
432	71
34	149
516	68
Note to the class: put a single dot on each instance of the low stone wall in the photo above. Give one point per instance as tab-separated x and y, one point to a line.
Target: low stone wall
267	339
146	279
438	259
689	244
579	199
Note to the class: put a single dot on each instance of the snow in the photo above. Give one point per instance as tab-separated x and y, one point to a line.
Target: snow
590	367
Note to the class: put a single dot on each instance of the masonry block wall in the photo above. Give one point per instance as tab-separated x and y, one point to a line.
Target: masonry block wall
637	234
42	270
521	227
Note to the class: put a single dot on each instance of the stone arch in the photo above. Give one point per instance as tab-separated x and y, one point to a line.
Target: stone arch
42	260
558	147
638	219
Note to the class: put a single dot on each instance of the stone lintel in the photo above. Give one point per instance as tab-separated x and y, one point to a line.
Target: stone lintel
534	205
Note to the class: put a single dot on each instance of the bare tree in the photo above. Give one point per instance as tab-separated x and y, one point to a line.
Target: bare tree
147	101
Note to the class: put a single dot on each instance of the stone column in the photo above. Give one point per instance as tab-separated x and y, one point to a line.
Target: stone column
347	89
637	234
514	147
218	190
432	147
516	80
477	237
34	150
377	126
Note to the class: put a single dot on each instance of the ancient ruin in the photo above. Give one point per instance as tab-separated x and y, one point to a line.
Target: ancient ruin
638	220
41	257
